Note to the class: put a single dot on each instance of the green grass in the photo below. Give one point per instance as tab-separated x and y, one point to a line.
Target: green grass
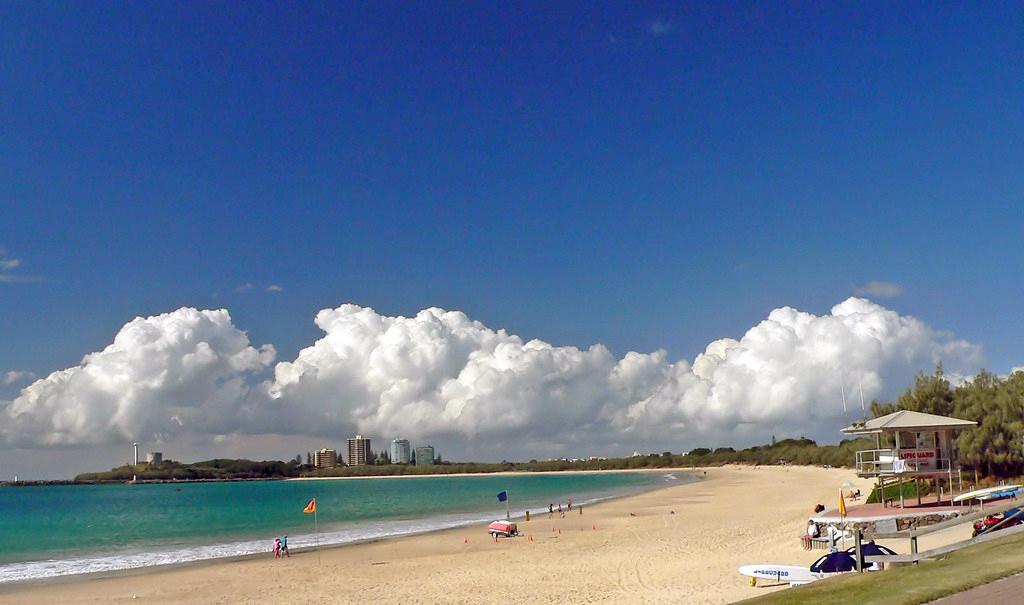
892	492
911	585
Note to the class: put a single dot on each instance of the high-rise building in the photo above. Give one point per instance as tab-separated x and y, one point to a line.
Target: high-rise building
359	451
424	455
154	458
325	458
400	452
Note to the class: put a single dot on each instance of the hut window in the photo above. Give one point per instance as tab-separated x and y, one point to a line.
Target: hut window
926	441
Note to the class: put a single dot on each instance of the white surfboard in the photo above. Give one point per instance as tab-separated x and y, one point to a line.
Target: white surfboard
1003	494
793	574
981	493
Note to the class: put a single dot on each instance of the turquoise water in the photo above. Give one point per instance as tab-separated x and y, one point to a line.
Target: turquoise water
67	529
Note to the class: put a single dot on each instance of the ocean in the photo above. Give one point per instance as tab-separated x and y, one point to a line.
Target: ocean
58	530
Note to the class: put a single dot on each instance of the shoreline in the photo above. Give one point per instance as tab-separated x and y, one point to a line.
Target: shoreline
675	543
518	515
667	470
53	482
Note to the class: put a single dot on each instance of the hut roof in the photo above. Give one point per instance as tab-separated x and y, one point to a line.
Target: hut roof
905	420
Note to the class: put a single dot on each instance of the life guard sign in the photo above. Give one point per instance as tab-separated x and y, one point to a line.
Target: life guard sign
919	459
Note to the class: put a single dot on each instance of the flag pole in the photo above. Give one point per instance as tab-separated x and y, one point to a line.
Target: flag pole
842	516
508	513
316	530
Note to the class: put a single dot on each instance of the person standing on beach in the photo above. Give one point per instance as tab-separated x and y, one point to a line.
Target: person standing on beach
277	547
284	546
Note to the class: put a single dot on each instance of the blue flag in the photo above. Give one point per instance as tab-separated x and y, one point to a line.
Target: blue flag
502	496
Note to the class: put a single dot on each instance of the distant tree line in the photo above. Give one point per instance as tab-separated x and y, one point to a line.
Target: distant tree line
787	451
221	469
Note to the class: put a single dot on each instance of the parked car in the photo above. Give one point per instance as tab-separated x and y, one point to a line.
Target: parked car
505	529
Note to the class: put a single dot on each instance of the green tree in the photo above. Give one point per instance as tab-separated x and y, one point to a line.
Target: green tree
995	446
930	394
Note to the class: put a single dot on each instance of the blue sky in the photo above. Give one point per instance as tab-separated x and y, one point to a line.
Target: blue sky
642	175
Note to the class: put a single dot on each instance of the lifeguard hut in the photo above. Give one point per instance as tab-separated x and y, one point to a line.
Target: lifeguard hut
910	446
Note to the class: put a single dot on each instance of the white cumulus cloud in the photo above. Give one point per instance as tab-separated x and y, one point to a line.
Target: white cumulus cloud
180	372
441	376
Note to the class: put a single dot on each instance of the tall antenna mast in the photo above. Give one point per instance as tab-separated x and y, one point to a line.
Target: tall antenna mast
842	389
863	413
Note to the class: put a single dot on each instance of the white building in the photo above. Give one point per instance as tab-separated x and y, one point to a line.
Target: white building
401	453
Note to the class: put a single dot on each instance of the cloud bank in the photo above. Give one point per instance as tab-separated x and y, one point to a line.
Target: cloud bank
442	376
180	372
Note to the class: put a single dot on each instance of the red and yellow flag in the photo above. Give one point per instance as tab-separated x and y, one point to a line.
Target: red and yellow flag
311	507
842	504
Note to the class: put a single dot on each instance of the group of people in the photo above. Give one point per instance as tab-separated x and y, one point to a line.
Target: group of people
832	533
551	508
281	547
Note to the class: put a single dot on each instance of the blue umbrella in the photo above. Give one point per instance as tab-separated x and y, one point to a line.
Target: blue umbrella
834	562
871	550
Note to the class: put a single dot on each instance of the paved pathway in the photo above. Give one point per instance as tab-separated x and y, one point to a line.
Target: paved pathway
1007	590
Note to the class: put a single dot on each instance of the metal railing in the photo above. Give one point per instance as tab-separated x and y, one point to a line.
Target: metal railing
887	461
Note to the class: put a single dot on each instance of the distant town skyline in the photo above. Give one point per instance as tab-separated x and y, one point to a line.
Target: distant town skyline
507	231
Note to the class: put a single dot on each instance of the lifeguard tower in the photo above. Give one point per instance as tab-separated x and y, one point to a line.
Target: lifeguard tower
910	446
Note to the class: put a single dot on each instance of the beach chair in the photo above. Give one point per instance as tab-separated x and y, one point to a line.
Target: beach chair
820	543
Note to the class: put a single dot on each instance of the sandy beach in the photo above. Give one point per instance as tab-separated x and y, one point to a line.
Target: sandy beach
680	544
